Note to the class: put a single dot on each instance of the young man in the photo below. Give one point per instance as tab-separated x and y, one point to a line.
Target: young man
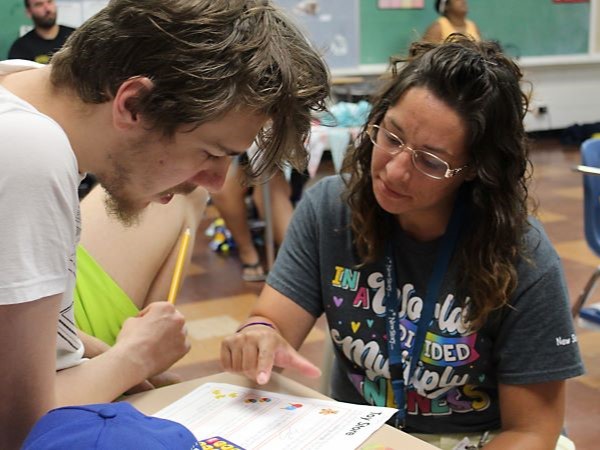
153	98
46	38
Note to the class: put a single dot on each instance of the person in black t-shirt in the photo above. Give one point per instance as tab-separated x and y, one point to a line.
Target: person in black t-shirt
46	37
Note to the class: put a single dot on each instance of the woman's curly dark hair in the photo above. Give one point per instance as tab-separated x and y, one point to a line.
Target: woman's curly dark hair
483	86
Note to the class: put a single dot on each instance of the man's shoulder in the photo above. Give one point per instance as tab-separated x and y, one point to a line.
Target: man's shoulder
31	35
17	44
20	48
64	30
34	137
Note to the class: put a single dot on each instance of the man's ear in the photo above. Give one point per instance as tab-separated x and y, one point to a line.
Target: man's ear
125	103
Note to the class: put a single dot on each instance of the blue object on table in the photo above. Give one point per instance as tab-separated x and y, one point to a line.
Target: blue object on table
590	314
107	426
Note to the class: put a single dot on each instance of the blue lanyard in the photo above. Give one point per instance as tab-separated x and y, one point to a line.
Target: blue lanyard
402	362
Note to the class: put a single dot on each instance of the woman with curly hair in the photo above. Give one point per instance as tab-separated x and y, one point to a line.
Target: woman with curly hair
443	297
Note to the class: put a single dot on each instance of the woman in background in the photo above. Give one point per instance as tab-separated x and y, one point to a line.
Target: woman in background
453	20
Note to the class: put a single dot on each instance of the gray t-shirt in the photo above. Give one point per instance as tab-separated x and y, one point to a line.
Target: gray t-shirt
454	388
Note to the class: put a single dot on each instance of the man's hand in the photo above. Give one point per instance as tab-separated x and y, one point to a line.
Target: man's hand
156	338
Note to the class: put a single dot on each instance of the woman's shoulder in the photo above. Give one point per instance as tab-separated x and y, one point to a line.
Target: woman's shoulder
434	31
325	200
535	234
537	246
327	190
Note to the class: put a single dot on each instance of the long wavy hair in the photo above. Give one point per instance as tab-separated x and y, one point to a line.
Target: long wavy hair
483	86
205	58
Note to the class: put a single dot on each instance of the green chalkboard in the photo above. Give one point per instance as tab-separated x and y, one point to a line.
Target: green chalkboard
12	16
523	27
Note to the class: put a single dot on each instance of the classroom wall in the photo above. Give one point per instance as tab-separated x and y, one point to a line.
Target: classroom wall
595	27
523	27
570	92
565	80
558	46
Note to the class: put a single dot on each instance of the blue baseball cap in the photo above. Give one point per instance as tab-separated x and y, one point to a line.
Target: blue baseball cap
107	426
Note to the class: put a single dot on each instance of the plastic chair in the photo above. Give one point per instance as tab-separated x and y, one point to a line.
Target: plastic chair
590	168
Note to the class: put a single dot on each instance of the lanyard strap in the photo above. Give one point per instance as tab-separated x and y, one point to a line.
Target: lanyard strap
398	357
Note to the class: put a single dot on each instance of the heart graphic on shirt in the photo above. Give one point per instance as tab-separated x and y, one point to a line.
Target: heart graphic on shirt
338	301
370	322
355	326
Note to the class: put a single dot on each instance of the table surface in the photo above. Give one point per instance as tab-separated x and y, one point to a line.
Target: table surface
152	401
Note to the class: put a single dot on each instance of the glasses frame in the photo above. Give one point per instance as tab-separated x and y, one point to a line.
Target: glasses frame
449	173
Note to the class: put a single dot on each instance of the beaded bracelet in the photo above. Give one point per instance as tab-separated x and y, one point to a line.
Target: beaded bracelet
267	324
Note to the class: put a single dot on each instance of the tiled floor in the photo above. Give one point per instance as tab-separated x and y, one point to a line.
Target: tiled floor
215	299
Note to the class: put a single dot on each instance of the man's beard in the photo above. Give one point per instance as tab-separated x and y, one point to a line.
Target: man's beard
45	22
123	209
128	212
118	202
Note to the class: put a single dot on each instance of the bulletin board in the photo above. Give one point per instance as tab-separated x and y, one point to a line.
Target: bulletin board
331	26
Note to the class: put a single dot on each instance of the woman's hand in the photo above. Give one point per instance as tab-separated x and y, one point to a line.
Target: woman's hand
256	349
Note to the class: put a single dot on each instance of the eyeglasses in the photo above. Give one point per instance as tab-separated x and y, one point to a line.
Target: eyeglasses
425	162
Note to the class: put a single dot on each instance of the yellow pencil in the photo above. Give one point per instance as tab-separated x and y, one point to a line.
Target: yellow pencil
176	280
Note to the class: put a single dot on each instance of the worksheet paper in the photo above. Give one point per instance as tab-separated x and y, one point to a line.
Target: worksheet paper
255	419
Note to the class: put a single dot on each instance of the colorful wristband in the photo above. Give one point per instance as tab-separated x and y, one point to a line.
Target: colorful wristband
266	324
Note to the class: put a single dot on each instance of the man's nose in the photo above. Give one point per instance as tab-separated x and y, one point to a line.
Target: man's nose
213	177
